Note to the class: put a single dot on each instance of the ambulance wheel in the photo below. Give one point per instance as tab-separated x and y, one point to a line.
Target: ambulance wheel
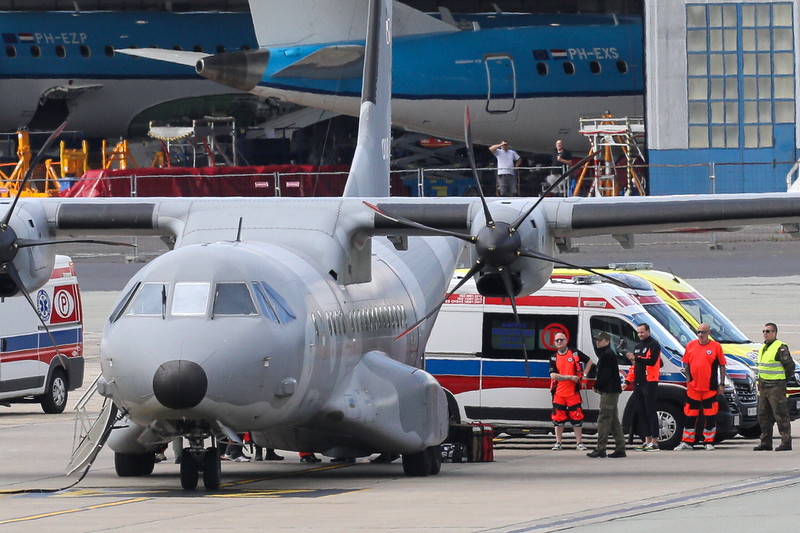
417	464
189	470
54	399
134	464
212	469
670	425
435	453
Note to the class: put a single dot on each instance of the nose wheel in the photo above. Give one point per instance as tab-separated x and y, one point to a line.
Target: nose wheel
207	461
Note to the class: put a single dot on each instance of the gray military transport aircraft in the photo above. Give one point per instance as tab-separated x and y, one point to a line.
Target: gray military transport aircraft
301	320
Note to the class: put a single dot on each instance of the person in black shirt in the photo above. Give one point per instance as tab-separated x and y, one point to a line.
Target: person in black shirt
608	386
644	373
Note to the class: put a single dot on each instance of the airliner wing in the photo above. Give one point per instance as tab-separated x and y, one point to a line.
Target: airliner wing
278	22
171	56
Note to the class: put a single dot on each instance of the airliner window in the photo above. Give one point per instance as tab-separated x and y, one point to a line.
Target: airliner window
36	51
85	51
109	50
541	69
11	51
233	299
569	68
61	51
190	299
149	301
123	303
622	67
282	309
594	67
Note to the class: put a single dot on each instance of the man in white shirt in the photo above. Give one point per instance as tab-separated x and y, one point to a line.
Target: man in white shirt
507	161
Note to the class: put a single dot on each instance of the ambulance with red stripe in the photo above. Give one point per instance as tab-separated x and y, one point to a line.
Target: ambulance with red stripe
475	351
30	370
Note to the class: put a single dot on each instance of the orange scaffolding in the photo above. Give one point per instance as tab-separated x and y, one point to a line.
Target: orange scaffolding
613	140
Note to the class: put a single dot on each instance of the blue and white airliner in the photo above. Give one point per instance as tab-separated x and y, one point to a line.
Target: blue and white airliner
527	78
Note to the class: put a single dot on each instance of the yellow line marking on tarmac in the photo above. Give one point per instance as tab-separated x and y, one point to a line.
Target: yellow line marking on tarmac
69	511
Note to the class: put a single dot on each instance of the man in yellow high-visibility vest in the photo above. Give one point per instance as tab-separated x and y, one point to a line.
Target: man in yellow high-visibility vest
775	366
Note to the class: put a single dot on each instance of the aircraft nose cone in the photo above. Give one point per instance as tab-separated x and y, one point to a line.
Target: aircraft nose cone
180	384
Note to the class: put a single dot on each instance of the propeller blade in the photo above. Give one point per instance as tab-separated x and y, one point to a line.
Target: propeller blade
34	163
544	257
506	277
12	272
411	223
472	271
27	243
517	223
473	166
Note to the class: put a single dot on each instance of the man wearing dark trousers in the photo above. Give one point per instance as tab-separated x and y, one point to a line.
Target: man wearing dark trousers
608	386
644	374
775	366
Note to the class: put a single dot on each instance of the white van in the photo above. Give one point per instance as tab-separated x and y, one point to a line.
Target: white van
475	353
30	370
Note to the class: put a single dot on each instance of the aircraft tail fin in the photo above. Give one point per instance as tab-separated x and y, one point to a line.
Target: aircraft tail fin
369	173
278	22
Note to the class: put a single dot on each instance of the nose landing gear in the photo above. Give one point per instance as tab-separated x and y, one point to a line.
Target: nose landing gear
196	459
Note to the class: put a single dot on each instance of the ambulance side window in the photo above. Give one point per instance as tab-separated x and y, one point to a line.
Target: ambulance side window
623	335
502	337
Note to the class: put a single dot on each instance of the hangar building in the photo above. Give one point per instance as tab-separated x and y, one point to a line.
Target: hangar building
721	88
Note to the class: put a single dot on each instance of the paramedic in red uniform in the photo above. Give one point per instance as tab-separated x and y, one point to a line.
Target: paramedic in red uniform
646	359
566	371
704	366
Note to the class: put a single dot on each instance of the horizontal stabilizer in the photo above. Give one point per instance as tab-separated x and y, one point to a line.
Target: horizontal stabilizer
179	57
278	22
331	62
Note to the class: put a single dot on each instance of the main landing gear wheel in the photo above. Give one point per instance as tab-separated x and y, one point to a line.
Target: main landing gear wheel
212	469
189	470
134	464
426	462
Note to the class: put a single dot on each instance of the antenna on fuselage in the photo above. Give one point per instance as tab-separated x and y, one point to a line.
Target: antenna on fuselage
239	232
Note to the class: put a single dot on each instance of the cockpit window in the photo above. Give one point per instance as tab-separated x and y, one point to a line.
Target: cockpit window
149	301
233	299
123	304
272	304
190	299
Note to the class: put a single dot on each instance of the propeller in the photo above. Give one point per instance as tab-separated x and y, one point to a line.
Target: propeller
497	245
10	243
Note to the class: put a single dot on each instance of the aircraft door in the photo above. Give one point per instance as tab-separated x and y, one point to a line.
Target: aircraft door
501	83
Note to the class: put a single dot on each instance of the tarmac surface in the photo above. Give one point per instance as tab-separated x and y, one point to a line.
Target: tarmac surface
528	487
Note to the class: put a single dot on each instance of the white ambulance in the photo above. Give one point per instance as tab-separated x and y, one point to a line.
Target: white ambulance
475	353
30	369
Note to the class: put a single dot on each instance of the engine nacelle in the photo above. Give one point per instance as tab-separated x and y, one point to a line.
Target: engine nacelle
527	275
34	263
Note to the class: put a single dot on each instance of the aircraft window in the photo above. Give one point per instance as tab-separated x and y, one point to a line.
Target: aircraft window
594	67
622	67
123	303
197	48
263	302
190	299
149	301
85	51
569	68
61	51
11	51
220	49
36	51
282	308
541	68
109	50
233	299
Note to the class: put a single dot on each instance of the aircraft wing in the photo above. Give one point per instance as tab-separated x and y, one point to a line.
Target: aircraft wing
629	215
161	54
